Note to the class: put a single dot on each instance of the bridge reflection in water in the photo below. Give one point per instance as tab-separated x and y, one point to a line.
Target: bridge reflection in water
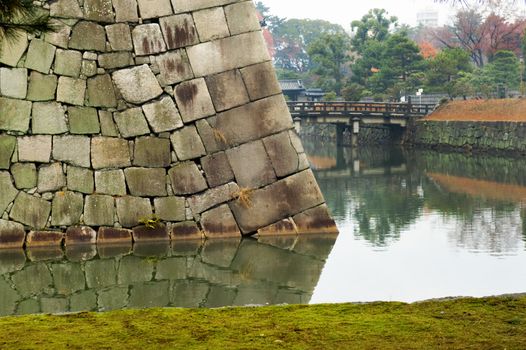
214	273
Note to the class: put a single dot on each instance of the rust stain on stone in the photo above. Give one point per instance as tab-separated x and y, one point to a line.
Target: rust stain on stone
180	36
145	45
187	93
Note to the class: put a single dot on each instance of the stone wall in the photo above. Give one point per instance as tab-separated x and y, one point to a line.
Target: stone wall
368	135
163	113
481	136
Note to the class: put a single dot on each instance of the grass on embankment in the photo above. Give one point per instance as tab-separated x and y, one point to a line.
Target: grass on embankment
507	110
490	323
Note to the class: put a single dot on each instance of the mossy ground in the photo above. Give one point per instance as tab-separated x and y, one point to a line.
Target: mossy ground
490	323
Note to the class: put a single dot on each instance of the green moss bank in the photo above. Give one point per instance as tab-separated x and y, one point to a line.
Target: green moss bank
489	323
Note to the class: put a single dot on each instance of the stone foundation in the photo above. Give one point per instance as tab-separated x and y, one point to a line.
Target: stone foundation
163	118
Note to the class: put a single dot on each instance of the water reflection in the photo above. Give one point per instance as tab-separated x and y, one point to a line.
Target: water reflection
188	274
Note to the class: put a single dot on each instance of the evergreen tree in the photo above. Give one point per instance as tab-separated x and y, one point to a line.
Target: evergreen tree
17	15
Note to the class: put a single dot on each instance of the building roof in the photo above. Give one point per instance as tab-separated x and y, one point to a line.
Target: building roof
291	85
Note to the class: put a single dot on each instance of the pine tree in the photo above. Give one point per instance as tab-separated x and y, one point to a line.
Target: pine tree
17	15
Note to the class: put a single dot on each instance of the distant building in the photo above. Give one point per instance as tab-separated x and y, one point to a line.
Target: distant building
427	18
296	91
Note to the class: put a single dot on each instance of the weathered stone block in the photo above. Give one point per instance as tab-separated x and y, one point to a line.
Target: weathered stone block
227	90
115	298
131	123
40	56
26	282
211	24
68	62
171	269
73	150
163	115
99	210
220	252
315	220
68	278
193	100
133	269
280	200
44	239
85	300
137	85
111	235
151	294
251	165
187	143
102	273
59	37
7	190
119	36
34	149
13	82
280	228
148	39
217	169
241	17
146	182
170	208
179	31
11	51
201	202
66	208
192	5
174	67
48	118
152	152
89	68
125	10
187	179
83	120
261	81
25	175
109	152
254	121
107	126
115	60
189	293
110	182
31	211
101	92
282	153
51	178
187	230
42	87
66	9
80	235
88	36
71	91
80	180
7	147
12	234
98	10
110	250
143	234
219	223
212	139
224	54
14	114
154	8
131	210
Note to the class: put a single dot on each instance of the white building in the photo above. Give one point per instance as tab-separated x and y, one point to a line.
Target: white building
427	18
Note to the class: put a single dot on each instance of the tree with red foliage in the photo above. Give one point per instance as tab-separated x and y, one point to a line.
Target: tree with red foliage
427	50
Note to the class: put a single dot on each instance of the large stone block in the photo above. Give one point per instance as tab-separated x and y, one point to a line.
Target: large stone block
114	236
11	51
66	208
148	39
143	234
193	100
315	220
125	10
80	180
42	87
119	36
170	208
227	90
260	80
115	298
68	62
51	178
99	10
154	8
212	138
114	60
211	24
192	5
85	300
7	147
151	294
251	165
219	223
224	54
217	169
187	230
48	118
254	121
83	120
44	239
34	149
187	179
12	234
31	211
99	210
282	199
73	150
101	274
152	152
133	269
88	36
174	67
282	153
187	143
78	235
14	114
71	91
66	9
25	175
222	194
242	18
40	56
13	82
137	85
131	123
101	92
59	37
146	182
26	282
163	115
110	182
131	210
107	125
179	31
7	190
107	152
68	278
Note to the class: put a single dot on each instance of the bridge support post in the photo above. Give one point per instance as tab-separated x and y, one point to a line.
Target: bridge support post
355	131
340	130
297	125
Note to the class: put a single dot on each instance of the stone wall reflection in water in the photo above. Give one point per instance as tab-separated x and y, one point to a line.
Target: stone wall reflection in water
189	274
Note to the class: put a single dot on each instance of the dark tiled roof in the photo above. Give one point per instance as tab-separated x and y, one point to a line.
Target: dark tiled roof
291	84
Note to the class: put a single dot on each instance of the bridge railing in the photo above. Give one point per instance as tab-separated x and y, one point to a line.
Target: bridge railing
350	108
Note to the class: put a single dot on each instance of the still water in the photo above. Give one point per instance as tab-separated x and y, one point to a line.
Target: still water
413	225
